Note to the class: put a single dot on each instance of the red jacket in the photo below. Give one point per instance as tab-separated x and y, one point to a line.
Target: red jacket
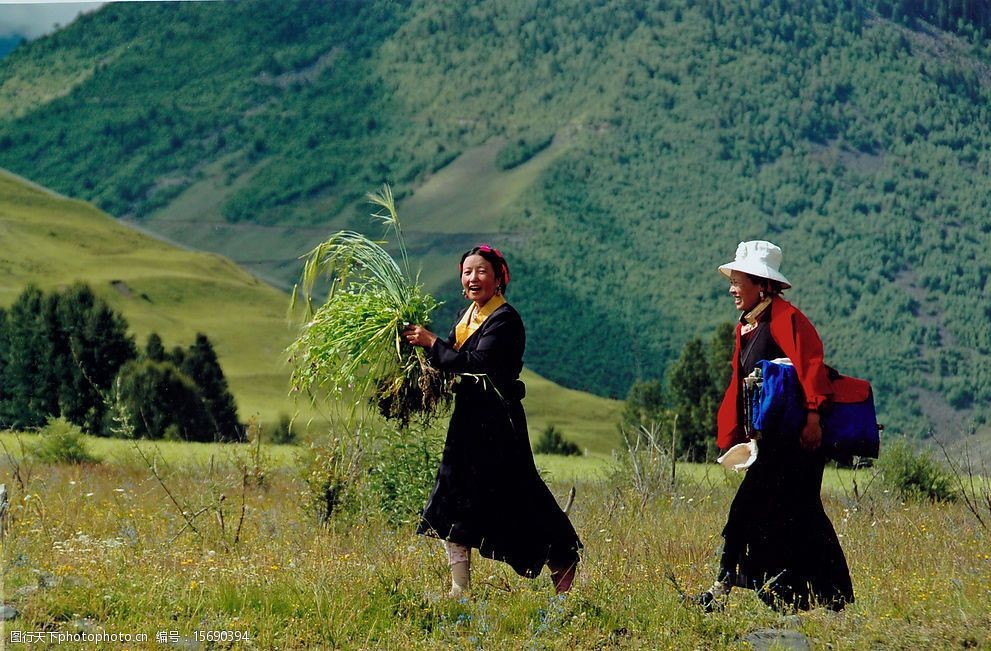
796	336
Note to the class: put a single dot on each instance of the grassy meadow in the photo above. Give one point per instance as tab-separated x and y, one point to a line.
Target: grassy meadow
105	548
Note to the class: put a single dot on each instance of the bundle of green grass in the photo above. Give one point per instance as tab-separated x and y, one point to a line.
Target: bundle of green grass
350	349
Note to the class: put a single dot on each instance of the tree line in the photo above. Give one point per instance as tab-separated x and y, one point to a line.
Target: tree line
68	354
687	400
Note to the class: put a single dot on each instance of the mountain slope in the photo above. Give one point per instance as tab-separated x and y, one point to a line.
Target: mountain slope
53	242
678	128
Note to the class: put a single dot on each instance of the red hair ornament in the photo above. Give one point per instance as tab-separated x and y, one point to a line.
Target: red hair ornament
502	262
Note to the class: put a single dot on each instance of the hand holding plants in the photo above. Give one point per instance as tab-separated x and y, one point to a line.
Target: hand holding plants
417	335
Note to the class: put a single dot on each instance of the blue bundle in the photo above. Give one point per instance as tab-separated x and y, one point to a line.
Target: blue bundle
849	424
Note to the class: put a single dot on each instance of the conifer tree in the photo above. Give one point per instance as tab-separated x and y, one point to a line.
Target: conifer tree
696	383
692	396
163	402
154	349
644	407
90	345
720	356
30	398
203	367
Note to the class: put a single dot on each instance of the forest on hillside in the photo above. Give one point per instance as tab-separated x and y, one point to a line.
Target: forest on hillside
853	133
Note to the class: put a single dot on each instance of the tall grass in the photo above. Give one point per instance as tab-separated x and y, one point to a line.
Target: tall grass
98	547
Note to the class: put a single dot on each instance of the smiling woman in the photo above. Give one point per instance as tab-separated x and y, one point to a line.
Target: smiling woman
488	494
778	539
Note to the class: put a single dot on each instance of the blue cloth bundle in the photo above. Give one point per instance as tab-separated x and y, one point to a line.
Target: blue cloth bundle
849	424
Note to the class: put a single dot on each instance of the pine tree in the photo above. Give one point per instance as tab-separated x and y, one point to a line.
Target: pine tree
163	402
720	356
202	366
691	392
154	349
28	376
90	345
644	407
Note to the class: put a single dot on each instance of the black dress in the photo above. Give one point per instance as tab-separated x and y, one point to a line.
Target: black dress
777	534
488	494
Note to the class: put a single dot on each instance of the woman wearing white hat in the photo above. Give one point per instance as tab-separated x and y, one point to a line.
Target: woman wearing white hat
777	539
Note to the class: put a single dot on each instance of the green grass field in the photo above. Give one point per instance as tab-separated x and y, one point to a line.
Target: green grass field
587	469
229	547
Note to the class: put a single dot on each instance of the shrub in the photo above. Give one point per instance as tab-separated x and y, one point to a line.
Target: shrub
644	467
62	442
330	471
915	474
282	433
551	442
403	472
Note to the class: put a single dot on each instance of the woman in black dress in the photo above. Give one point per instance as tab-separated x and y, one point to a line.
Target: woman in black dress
777	539
488	494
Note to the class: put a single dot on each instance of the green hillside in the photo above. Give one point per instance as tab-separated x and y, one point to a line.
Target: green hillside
854	133
53	242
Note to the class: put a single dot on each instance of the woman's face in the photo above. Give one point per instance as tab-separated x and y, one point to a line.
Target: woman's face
745	292
479	279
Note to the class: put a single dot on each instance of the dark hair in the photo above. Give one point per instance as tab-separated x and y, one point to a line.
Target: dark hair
494	257
771	287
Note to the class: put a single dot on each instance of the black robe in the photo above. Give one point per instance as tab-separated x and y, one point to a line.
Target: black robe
488	494
777	533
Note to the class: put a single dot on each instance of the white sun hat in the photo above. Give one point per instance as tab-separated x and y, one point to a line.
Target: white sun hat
757	258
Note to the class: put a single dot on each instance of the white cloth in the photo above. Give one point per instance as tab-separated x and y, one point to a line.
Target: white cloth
739	457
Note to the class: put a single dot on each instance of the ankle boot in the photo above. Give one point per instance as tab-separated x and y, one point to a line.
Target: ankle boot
714	598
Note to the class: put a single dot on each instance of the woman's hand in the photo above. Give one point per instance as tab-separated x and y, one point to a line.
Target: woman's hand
811	437
419	336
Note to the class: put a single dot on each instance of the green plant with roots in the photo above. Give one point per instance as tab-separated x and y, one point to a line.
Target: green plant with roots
351	345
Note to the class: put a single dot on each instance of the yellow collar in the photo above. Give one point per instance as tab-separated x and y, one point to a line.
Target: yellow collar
473	319
751	317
